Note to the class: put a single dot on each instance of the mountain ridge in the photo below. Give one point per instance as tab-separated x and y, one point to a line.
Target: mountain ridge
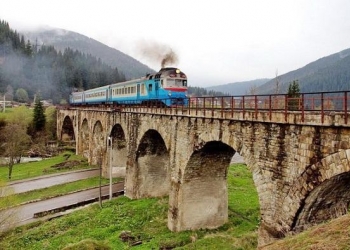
61	39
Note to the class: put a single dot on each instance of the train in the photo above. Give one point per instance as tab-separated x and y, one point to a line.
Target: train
168	87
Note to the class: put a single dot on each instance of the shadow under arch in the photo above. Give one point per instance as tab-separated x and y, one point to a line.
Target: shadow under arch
118	151
152	169
320	193
98	142
67	132
327	201
203	194
84	139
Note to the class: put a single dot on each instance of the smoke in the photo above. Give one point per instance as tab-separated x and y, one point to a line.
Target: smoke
158	53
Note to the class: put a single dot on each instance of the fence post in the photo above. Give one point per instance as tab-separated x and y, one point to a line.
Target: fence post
322	109
346	106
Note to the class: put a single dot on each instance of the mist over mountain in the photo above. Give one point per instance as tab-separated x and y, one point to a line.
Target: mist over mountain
239	88
61	39
330	73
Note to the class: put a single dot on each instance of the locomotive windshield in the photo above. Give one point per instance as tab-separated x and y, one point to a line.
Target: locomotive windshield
177	82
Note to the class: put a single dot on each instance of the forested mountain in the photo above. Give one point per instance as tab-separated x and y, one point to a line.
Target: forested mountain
63	39
330	73
52	74
198	91
239	88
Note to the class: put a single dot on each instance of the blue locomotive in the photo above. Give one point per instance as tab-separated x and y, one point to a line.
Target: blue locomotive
167	87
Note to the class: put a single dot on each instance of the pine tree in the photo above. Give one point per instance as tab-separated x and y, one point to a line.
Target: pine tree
39	118
293	95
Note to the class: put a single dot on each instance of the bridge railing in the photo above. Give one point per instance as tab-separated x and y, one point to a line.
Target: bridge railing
249	107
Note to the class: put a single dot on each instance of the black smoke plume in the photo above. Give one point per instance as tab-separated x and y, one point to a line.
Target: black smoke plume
158	53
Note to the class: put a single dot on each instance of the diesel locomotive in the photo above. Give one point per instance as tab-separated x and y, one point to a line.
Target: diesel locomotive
167	87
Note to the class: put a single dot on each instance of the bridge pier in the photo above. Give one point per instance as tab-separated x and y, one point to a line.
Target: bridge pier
198	197
300	168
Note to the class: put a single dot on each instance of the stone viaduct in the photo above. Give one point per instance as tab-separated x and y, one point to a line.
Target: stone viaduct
299	162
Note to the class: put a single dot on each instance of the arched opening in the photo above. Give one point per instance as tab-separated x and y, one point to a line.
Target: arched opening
152	166
117	152
85	139
98	142
67	132
203	192
327	201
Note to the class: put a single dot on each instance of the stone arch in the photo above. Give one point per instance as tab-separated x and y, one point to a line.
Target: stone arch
327	201
67	132
320	193
326	192
97	144
152	166
203	197
117	151
85	139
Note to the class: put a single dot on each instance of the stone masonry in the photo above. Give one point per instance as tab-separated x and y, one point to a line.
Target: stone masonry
300	170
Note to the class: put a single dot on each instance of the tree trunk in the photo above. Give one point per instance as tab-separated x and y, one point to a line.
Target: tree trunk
10	167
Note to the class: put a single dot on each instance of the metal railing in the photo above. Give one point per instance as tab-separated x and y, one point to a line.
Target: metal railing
230	107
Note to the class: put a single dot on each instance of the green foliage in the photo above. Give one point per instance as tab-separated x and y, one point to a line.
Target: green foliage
87	244
54	74
22	95
123	222
34	169
39	118
19	115
294	96
51	122
14	141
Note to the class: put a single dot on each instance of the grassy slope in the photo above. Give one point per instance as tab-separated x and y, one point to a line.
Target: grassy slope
145	220
54	191
333	235
34	169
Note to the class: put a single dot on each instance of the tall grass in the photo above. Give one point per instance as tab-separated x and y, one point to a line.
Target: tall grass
142	224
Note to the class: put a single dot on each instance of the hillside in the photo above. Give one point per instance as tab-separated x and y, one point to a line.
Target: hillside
333	235
238	88
62	39
330	73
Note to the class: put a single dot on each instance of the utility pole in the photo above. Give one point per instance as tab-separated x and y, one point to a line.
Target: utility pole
4	103
110	166
99	162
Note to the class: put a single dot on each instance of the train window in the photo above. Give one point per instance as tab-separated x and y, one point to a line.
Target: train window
150	87
161	82
170	82
178	83
142	88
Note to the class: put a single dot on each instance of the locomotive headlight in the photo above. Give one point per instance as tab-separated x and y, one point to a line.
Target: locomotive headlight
178	71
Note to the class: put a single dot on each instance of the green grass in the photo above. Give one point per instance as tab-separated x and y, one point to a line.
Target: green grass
34	169
54	191
7	113
144	220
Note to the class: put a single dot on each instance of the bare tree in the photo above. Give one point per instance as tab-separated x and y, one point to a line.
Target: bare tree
15	142
253	90
277	82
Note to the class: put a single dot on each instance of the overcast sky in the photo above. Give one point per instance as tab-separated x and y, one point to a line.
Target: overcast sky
216	41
